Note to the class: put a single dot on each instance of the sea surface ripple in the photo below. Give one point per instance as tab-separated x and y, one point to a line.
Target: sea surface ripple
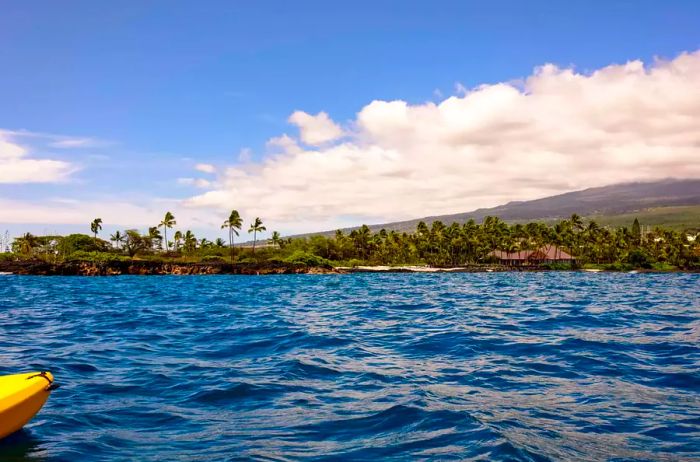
503	367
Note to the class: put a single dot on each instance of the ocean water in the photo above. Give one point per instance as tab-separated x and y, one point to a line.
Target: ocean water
503	367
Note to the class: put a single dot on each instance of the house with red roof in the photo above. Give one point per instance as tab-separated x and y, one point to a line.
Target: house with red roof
546	254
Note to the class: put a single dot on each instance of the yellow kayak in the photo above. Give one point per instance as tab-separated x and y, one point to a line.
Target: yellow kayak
21	397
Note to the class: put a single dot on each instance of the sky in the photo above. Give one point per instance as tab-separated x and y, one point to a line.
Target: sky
315	115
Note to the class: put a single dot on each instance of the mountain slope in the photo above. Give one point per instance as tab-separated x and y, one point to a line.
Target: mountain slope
674	201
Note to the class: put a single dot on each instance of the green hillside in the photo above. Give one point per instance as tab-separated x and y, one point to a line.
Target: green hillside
671	203
677	218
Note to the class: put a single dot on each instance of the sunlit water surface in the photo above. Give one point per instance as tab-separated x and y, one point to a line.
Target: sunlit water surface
546	366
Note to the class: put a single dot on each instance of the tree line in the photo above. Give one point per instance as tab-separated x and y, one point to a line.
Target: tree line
436	244
131	241
472	243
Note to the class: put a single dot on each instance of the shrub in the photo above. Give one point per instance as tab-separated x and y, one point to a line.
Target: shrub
81	242
639	259
663	267
213	259
558	266
305	258
96	257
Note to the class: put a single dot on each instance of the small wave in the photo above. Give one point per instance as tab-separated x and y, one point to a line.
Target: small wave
238	393
80	367
297	369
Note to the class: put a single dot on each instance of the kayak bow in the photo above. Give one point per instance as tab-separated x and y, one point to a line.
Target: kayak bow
21	397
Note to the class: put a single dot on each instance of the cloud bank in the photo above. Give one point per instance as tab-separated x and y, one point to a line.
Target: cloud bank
554	131
17	167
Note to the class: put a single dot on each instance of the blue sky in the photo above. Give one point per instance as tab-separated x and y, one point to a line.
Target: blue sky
141	92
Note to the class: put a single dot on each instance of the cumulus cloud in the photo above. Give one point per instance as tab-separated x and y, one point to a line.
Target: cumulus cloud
554	131
315	130
17	167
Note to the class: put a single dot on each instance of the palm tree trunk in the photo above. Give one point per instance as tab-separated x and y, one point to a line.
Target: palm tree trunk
165	233
255	233
230	241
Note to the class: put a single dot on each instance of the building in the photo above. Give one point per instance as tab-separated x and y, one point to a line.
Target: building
546	254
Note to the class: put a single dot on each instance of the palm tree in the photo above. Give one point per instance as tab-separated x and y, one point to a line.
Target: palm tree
219	242
275	240
96	226
190	242
155	237
25	243
576	222
636	232
168	222
177	238
255	228
117	238
234	224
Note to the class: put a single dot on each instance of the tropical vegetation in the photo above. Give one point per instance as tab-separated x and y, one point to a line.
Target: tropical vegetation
437	244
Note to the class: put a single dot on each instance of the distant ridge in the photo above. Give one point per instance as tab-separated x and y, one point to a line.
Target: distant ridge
605	201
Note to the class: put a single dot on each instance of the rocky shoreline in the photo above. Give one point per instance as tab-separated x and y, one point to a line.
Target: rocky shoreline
145	267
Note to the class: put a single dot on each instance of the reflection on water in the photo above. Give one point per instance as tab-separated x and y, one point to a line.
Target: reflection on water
547	366
21	446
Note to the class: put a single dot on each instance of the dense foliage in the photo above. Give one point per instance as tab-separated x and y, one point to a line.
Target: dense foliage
437	245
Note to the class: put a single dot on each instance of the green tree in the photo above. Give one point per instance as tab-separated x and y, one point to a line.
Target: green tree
275	239
117	238
25	243
234	224
155	237
96	226
167	222
177	240
255	228
134	242
189	242
636	232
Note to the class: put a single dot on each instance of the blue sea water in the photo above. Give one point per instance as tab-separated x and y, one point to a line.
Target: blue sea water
504	367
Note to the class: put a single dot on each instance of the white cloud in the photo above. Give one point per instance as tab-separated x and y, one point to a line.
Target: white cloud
17	167
283	143
115	213
206	168
315	130
197	182
71	143
555	131
57	141
68	211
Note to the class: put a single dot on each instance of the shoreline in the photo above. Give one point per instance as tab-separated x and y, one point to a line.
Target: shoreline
154	268
151	268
